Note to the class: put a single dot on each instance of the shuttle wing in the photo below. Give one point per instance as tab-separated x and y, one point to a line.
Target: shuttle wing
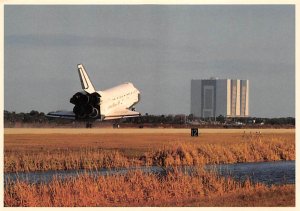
62	114
121	113
117	114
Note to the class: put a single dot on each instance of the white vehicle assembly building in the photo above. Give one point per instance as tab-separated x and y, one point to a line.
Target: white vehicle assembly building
215	97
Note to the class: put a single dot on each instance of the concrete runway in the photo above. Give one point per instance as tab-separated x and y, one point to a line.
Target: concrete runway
137	131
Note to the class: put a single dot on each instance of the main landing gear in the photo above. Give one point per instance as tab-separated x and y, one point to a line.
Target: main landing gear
88	125
116	123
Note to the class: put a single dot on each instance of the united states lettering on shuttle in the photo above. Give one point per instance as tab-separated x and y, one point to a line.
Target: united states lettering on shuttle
89	104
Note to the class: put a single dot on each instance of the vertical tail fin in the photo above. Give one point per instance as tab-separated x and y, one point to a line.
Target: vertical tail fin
86	83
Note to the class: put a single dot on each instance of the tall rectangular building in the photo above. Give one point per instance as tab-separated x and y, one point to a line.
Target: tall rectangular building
215	97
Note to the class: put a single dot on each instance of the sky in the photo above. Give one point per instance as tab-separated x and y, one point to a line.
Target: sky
159	48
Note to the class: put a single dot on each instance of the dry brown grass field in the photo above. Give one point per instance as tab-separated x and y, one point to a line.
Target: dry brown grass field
39	149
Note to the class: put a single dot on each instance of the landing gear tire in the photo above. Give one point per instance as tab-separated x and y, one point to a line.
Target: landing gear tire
116	125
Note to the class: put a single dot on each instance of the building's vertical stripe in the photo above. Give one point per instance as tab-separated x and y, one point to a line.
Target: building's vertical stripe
196	98
228	97
242	97
233	98
215	97
202	98
238	98
247	99
192	99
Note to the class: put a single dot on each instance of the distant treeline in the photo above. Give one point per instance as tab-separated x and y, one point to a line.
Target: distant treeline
220	120
31	117
12	119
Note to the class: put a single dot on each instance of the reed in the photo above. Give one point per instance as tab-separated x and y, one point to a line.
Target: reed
140	189
249	148
86	158
255	149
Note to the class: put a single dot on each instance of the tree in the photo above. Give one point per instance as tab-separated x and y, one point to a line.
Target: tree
221	119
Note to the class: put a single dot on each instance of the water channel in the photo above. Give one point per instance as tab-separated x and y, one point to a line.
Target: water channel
278	172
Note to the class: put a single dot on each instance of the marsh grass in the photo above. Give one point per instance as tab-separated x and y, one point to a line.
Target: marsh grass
136	188
86	158
250	148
